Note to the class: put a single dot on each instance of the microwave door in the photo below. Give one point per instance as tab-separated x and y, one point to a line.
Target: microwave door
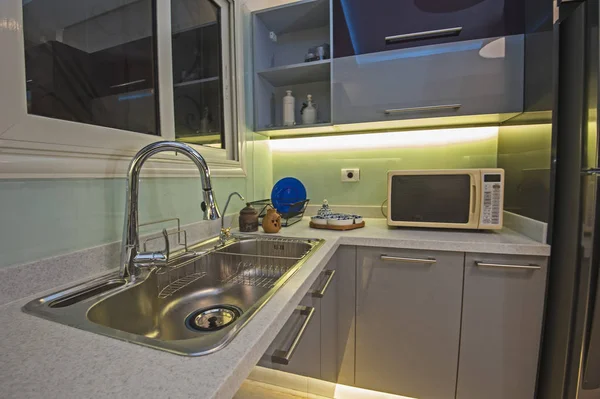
429	199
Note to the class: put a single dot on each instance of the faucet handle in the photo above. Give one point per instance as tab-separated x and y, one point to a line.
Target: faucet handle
157	258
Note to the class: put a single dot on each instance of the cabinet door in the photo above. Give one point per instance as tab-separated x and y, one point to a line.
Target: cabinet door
501	327
306	358
408	321
362	27
468	78
338	319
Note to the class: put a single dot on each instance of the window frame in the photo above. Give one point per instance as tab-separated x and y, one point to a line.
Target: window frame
33	146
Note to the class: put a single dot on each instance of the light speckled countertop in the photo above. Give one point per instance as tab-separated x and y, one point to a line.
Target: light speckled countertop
43	359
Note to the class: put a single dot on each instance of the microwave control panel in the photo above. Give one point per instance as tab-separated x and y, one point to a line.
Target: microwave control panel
491	205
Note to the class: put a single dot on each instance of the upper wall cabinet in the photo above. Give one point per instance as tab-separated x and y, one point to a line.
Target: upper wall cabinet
107	77
466	79
200	62
92	64
362	27
292	53
395	64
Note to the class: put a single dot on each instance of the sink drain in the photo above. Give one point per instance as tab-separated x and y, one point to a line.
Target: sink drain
213	319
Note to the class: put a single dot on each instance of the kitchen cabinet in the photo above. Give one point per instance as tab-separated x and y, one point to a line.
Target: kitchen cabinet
315	335
501	326
297	347
408	321
338	319
476	77
362	27
326	348
94	65
282	37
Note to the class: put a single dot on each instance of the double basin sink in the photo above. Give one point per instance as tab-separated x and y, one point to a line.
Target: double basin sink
194	306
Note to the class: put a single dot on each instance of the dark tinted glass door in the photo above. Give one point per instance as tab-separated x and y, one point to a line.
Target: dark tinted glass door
361	27
198	71
92	62
431	198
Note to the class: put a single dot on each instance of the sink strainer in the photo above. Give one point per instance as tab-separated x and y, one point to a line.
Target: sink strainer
213	319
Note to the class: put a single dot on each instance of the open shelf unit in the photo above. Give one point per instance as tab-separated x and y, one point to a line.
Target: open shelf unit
307	72
279	63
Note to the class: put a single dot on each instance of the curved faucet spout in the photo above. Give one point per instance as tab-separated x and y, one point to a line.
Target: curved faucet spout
131	245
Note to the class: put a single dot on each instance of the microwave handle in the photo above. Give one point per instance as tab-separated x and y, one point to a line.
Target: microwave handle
473	199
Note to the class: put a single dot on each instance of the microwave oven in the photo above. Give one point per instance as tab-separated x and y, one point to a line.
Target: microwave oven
446	198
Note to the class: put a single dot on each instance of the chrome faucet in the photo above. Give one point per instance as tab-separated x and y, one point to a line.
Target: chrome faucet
130	249
226	232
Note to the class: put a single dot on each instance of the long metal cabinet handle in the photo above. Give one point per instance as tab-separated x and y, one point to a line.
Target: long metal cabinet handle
321	293
128	83
504	266
428	34
283	357
422	109
429	261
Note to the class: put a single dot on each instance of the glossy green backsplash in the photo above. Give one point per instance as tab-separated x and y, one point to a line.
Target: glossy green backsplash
525	153
43	218
321	171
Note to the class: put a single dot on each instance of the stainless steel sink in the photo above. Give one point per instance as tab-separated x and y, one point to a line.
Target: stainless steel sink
194	306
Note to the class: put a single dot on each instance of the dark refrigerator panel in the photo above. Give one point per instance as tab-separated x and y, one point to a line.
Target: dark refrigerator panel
589	379
588	315
570	359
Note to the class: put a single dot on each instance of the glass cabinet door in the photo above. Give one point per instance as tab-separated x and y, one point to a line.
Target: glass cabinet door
200	54
92	62
364	27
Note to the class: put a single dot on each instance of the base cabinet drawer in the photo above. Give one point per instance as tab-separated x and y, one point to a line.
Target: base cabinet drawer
501	326
477	77
408	321
305	345
297	347
338	308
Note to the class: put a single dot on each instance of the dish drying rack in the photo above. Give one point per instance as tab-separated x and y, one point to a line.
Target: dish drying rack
294	214
224	267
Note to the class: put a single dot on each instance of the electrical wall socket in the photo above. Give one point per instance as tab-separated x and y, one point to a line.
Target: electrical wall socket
351	175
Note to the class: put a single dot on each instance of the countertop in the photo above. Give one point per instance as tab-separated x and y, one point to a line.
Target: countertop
43	359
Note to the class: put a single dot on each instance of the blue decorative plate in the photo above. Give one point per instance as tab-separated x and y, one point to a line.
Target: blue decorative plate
287	191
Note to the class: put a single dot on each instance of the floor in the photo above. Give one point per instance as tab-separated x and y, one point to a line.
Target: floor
258	390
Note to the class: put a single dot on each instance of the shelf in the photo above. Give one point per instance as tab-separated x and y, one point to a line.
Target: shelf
196	82
267	131
296	17
306	72
320	129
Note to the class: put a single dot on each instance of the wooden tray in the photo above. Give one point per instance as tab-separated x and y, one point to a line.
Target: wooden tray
339	228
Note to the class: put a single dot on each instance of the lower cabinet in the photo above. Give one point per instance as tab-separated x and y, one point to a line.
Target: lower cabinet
408	321
420	324
297	347
501	326
338	309
304	344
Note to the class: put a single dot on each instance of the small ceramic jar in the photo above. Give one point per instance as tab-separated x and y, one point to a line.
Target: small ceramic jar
272	221
248	219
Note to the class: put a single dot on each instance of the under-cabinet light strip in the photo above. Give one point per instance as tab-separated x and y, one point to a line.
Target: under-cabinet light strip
407	139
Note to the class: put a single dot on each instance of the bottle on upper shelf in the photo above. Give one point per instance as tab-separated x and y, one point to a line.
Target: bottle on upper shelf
289	103
308	111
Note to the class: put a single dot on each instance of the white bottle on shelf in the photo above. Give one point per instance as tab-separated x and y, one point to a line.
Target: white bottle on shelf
309	112
289	103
